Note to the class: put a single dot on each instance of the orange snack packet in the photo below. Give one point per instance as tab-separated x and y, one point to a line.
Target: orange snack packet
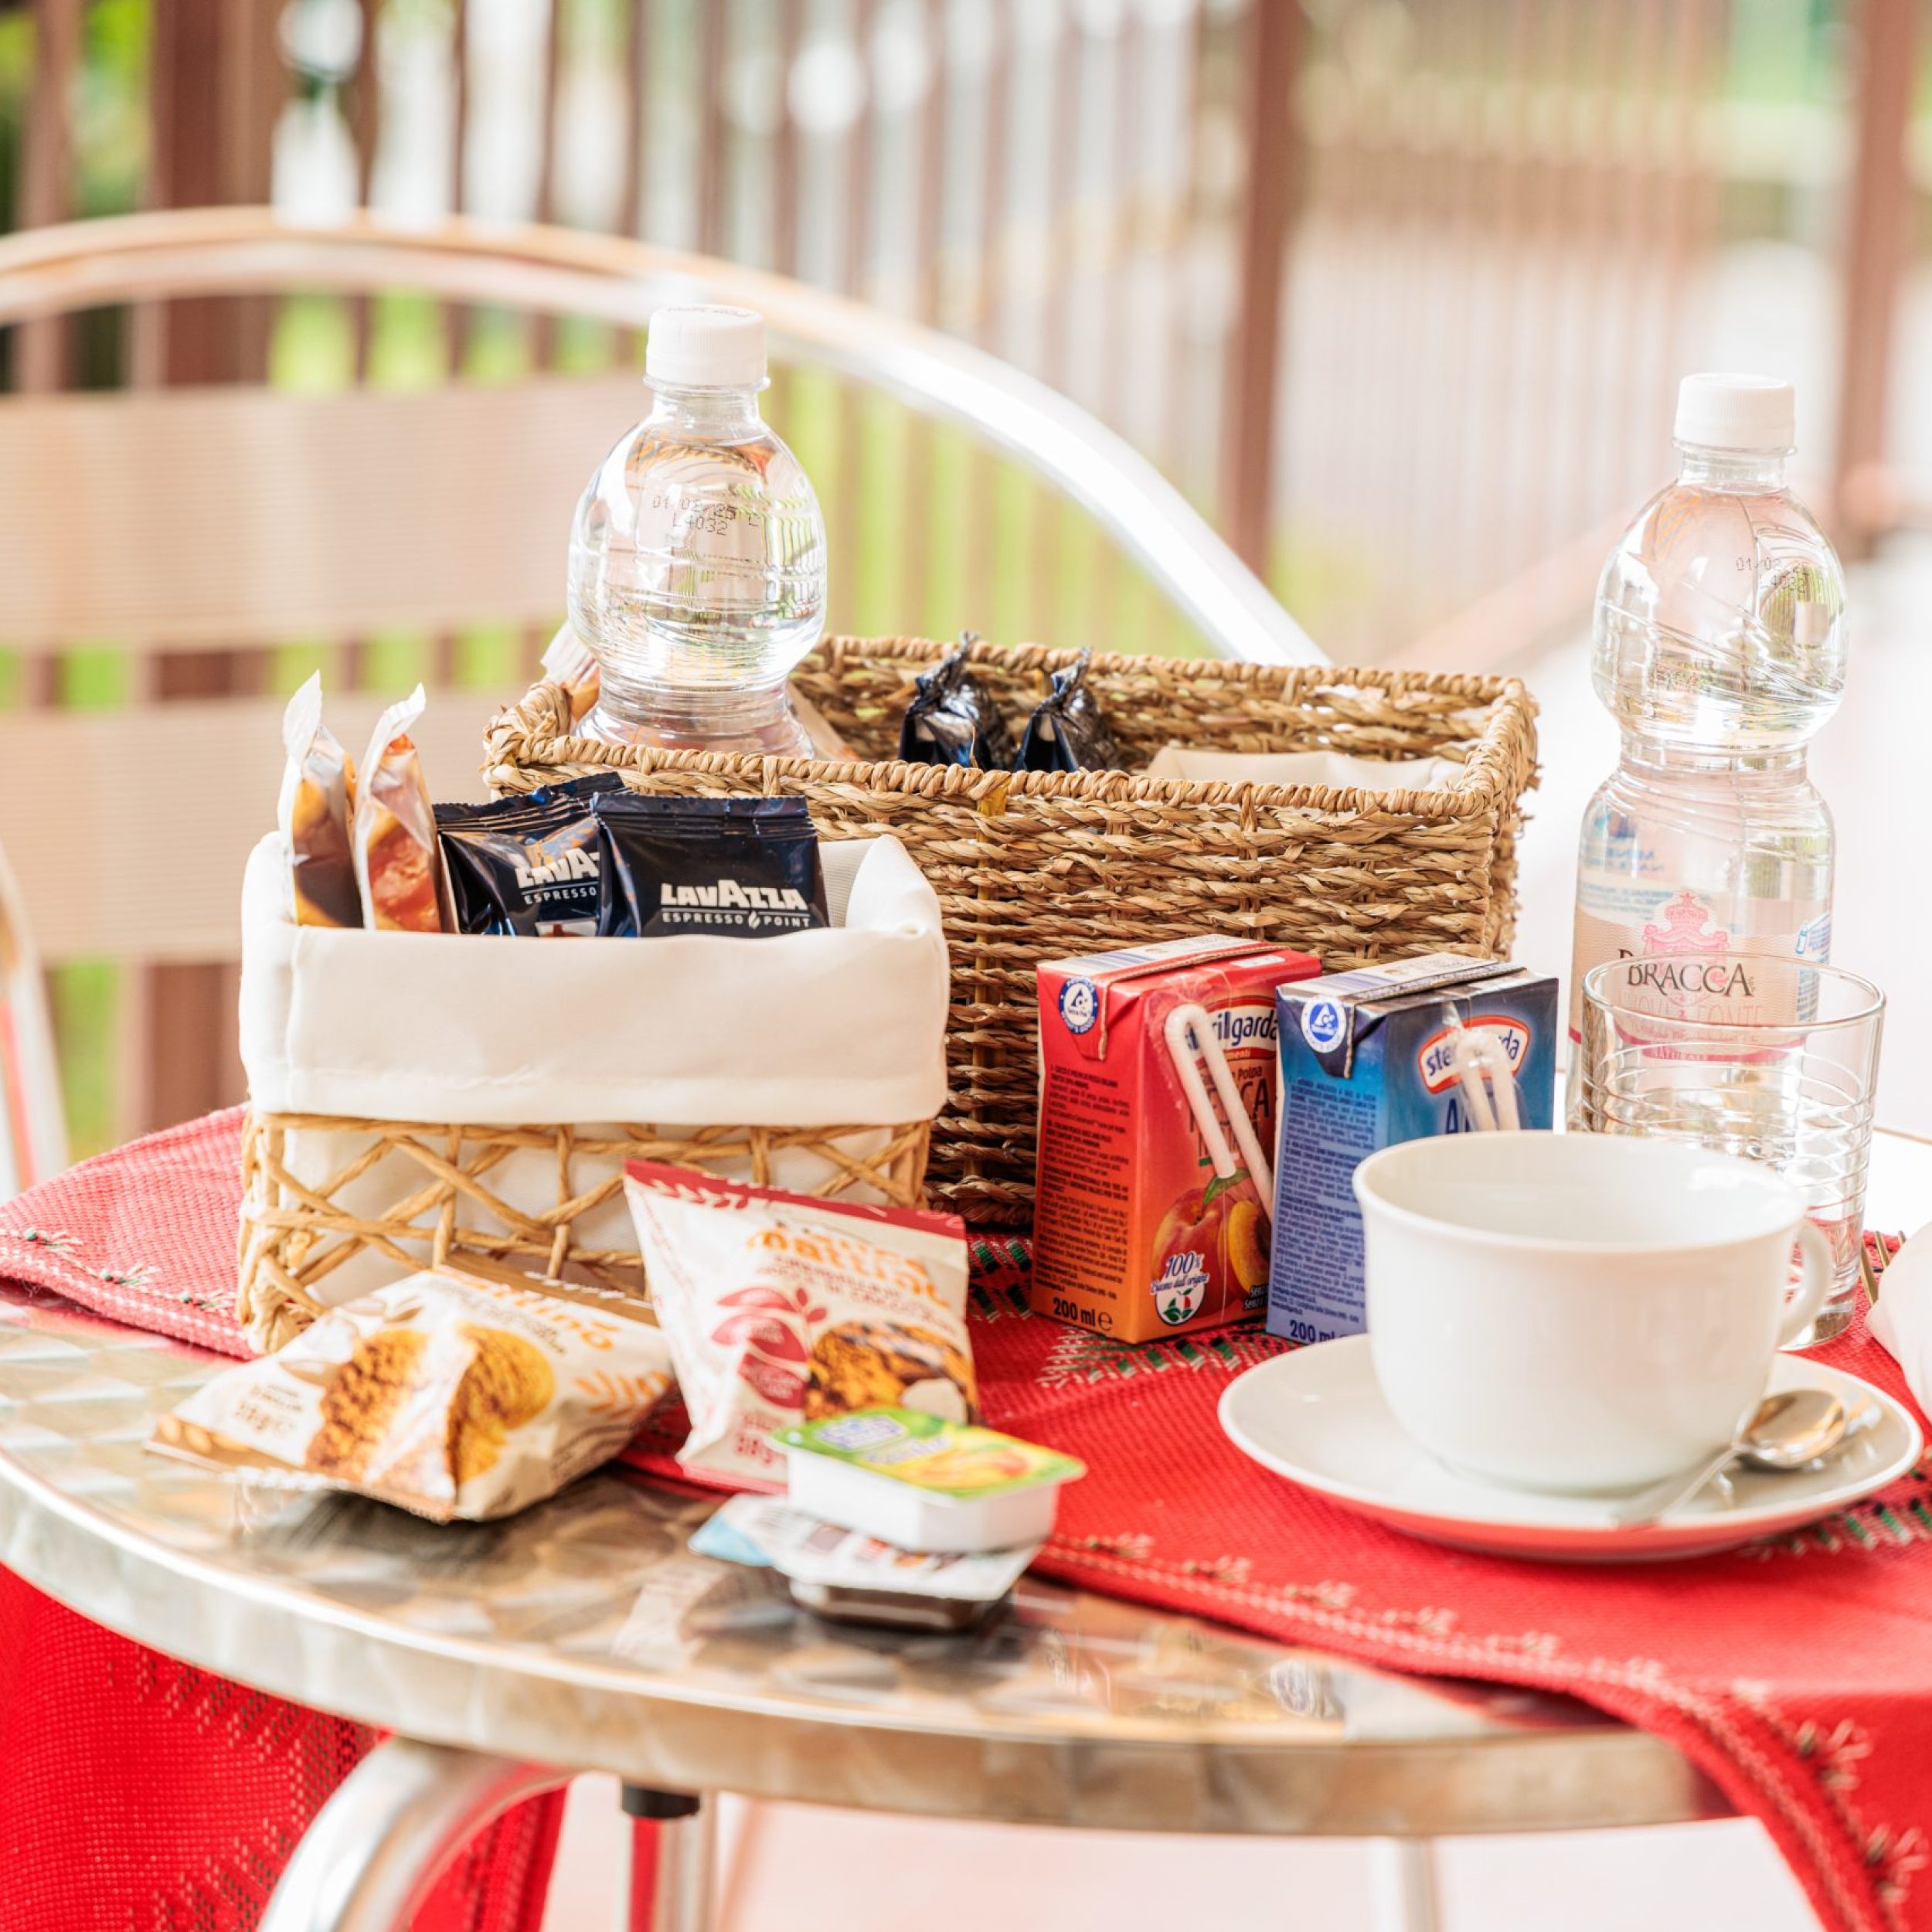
317	800
399	865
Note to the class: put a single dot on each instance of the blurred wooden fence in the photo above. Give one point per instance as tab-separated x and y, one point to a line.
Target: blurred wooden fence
1398	292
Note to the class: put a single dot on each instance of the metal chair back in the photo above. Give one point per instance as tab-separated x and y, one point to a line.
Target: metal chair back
199	524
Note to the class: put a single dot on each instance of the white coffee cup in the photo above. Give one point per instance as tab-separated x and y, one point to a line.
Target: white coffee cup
1578	1312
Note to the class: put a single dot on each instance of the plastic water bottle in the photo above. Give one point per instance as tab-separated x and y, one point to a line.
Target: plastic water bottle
1719	645
698	553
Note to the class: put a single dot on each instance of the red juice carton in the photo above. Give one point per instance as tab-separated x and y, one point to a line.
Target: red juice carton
1156	1126
1375	1056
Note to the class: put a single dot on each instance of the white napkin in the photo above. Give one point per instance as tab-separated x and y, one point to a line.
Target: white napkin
1902	1315
1339	769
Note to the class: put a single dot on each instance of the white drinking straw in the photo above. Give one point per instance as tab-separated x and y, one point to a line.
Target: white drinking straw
1191	1044
1481	1062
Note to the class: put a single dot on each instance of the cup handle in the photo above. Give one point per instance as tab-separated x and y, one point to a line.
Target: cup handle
1814	1282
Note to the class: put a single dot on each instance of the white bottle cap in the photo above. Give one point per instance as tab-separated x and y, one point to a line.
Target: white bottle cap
706	348
1736	412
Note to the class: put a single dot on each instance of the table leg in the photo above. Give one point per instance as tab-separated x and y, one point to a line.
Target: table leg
673	1856
1402	1878
379	1845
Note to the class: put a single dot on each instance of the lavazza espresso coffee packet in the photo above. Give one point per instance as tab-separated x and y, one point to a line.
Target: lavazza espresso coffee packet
737	868
1068	731
526	866
953	719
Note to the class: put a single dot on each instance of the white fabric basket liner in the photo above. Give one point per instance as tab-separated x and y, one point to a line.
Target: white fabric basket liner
843	1026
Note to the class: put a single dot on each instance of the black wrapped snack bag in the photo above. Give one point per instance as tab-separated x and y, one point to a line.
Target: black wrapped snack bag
1068	732
952	720
526	866
739	867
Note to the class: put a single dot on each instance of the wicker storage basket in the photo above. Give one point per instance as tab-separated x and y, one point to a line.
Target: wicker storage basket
1037	866
442	1200
416	1099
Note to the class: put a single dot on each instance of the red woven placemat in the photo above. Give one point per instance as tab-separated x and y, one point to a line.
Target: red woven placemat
1797	1673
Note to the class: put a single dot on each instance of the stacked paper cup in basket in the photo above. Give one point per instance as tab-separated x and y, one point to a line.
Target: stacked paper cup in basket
416	1097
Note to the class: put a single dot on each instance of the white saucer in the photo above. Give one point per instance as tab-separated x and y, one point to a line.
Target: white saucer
1317	1416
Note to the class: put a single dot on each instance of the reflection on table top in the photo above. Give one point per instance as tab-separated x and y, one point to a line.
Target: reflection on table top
584	1634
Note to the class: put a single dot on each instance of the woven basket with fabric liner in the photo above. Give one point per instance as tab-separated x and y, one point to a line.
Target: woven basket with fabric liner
416	1099
1039	866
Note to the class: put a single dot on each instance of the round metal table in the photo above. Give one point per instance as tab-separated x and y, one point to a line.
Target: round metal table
583	1636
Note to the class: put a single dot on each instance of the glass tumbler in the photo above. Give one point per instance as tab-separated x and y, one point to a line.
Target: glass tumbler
1772	1059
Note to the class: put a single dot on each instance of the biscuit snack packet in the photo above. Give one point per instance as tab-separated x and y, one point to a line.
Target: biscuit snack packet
398	864
450	1393
781	1308
318	801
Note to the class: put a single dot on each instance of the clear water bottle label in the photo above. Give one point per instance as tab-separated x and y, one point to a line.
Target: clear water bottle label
1682	955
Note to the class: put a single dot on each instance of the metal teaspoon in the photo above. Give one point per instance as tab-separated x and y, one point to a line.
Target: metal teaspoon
1785	1432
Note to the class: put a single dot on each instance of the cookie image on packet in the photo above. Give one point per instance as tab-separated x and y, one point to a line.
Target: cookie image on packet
363	1399
390	1415
507	1385
880	1365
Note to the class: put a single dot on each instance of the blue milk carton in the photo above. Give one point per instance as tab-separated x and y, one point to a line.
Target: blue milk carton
1367	1060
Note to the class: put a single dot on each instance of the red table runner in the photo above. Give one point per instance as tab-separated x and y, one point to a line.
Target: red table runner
1797	1673
136	1791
